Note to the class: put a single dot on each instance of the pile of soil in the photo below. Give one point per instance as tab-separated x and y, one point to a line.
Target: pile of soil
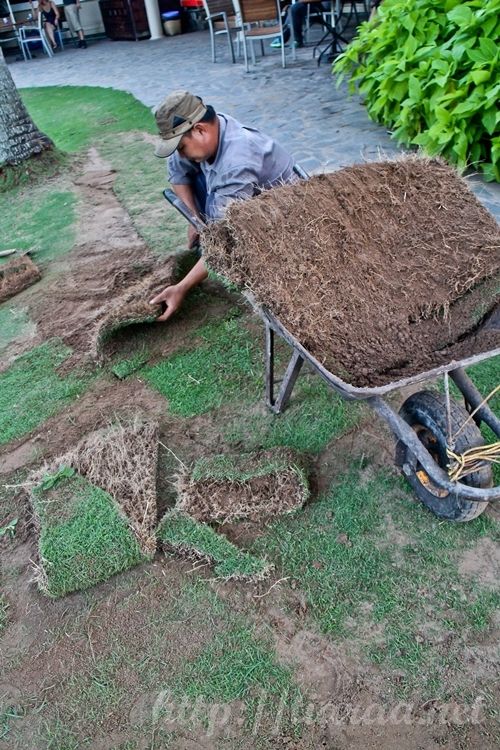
16	275
122	460
382	271
248	486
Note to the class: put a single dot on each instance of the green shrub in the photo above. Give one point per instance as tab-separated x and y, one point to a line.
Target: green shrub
429	70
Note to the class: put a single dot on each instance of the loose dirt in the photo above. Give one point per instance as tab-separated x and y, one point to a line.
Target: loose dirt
381	271
109	272
16	275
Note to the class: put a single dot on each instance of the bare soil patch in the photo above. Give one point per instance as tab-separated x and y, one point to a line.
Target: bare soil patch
107	275
381	271
16	275
482	563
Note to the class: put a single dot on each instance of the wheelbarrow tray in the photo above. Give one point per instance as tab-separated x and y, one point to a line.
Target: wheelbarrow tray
374	397
353	392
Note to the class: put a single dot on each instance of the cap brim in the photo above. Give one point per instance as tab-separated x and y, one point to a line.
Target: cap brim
167	148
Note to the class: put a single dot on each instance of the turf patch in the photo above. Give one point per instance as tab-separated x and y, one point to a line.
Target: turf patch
375	566
17	274
83	538
122	460
245	486
31	390
182	534
315	416
83	112
227	366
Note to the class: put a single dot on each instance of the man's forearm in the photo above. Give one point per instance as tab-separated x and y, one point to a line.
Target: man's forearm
196	275
186	194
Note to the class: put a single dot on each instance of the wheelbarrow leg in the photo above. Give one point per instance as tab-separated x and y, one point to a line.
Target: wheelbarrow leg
279	404
474	400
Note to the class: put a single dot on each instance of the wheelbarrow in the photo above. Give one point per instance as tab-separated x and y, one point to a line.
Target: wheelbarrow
428	425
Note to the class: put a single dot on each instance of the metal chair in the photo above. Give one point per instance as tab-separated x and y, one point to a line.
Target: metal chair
254	14
222	19
10	28
30	34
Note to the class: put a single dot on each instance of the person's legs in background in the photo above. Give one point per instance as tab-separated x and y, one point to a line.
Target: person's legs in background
49	30
298	12
72	13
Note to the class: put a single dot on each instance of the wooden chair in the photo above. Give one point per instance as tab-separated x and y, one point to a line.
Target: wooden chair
253	14
221	17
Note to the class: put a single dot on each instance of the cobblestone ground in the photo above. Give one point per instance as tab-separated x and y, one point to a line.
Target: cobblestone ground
320	125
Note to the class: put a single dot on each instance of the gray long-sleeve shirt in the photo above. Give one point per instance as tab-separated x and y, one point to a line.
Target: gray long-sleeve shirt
247	161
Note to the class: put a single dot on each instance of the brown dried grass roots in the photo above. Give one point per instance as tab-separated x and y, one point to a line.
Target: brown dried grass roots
122	460
248	486
132	307
382	271
16	275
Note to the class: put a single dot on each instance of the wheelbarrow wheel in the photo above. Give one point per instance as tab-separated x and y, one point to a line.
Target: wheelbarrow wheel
426	413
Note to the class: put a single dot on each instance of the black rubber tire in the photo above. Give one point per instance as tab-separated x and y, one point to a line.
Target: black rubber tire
426	413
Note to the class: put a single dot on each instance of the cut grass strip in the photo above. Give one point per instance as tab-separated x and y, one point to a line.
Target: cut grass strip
83	539
252	486
74	117
41	219
226	367
31	390
194	539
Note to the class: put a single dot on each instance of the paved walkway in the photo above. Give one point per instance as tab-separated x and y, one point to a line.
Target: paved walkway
320	125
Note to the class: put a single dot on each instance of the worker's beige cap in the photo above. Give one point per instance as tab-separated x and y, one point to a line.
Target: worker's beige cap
175	116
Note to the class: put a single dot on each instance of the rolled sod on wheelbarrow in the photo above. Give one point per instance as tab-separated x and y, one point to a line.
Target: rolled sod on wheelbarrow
16	275
180	533
248	486
83	537
380	270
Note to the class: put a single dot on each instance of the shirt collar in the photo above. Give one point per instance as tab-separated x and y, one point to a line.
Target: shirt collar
222	131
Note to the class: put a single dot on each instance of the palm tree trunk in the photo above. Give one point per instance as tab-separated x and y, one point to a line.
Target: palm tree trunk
19	136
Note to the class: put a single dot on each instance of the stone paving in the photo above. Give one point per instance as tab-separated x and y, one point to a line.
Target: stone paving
319	124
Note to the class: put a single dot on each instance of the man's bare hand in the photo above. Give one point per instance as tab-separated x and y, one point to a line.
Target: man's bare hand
173	297
193	236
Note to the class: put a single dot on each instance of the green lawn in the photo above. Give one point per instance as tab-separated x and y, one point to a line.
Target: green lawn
363	565
31	390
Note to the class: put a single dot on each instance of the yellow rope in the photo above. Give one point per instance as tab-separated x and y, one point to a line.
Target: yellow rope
471	415
472	460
